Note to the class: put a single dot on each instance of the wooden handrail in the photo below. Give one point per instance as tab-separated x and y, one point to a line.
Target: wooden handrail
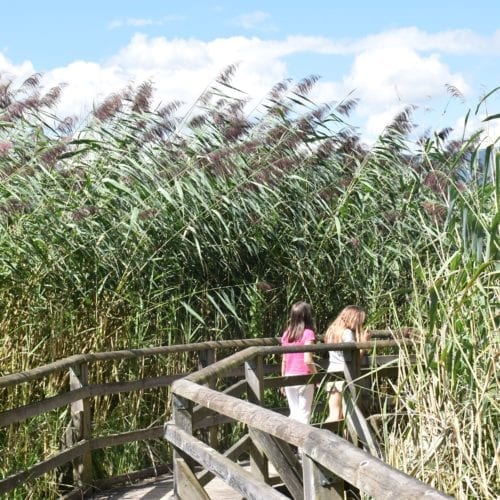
76	451
62	364
81	393
201	376
22	413
221	367
356	466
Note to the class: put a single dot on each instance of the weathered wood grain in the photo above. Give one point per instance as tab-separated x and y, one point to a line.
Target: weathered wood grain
368	473
22	413
314	487
186	484
81	426
233	453
282	458
231	473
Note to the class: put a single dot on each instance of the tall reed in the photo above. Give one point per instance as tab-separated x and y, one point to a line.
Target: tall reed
142	227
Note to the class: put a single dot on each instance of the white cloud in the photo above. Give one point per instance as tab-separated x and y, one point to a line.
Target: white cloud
141	22
182	68
254	20
461	41
13	71
386	80
384	75
447	42
389	70
86	83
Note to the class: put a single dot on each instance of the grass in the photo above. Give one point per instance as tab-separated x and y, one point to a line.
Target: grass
140	228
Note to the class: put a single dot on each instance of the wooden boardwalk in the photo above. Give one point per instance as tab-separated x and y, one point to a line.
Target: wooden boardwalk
162	488
196	404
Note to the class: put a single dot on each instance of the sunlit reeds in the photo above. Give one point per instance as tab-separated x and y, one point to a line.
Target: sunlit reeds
142	227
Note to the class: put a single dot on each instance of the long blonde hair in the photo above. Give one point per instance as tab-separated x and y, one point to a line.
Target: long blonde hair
351	317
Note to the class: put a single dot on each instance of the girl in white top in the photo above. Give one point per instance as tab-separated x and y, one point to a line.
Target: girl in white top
347	327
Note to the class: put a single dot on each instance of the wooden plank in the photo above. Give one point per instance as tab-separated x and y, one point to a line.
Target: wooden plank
314	378
319	348
70	454
22	413
255	393
233	453
221	368
283	459
182	414
10	482
80	422
208	358
212	420
187	486
126	437
65	363
232	474
354	465
200	412
130	477
383	362
319	484
354	415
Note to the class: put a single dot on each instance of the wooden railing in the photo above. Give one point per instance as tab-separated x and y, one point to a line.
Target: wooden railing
82	442
328	461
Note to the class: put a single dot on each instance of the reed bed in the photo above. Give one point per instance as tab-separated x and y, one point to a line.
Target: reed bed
141	226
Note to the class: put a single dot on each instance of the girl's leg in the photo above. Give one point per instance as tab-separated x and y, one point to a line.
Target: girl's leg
306	396
292	395
335	406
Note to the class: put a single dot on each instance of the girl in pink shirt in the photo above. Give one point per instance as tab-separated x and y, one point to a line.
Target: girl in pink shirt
299	332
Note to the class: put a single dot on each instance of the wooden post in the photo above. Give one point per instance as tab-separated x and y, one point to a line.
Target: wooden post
254	374
80	426
366	384
320	484
208	358
284	460
186	484
182	414
353	414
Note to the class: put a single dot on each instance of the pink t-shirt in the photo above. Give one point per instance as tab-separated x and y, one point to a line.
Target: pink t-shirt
294	361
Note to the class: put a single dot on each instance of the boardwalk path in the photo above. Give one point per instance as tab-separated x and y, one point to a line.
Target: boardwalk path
162	487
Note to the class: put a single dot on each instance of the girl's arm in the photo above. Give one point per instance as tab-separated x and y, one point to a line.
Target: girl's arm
283	368
364	337
308	358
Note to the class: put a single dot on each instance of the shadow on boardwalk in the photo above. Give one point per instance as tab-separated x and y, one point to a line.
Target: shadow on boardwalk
162	487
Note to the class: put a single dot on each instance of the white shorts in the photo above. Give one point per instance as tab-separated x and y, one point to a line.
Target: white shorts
335	386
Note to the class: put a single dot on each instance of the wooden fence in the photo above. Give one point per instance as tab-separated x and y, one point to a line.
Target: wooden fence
187	417
81	443
329	462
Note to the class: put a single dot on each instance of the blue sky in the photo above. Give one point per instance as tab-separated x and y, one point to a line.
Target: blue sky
387	53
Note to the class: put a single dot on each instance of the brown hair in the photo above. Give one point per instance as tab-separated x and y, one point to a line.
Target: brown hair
352	318
300	319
